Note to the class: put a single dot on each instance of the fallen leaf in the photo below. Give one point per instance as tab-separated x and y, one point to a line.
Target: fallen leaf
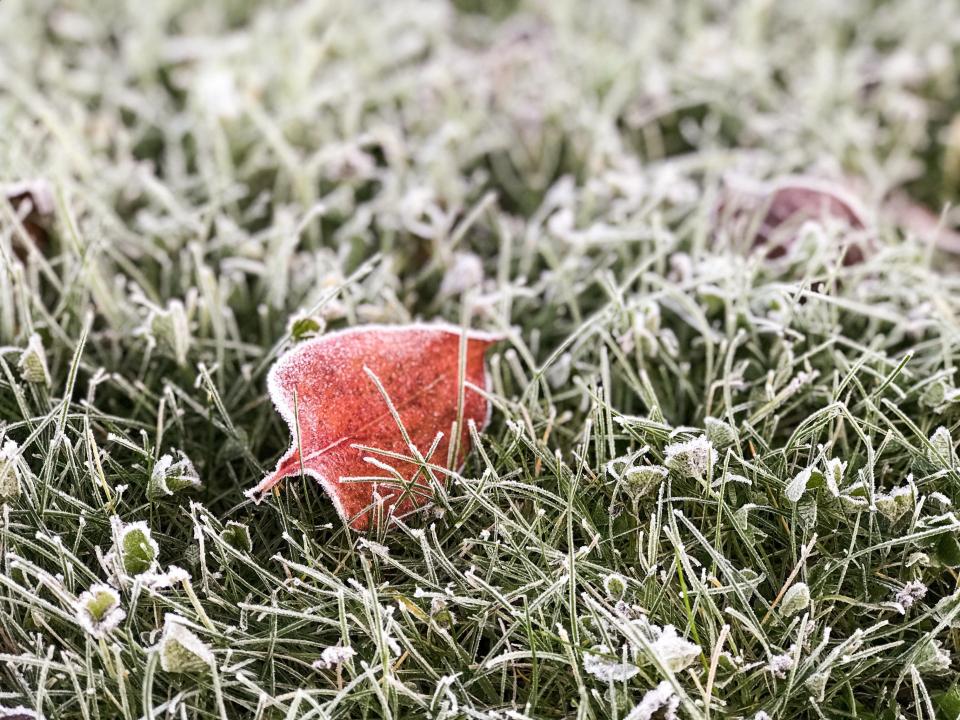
775	211
32	201
327	390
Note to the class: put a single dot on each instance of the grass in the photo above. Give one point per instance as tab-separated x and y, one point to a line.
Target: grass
219	169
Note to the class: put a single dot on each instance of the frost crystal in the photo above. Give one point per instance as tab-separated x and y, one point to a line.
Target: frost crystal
911	592
780	665
464	273
334	656
98	610
797	598
173	576
605	669
168	476
181	651
691	458
661	702
17	713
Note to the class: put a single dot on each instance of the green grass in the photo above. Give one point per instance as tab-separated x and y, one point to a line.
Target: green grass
221	168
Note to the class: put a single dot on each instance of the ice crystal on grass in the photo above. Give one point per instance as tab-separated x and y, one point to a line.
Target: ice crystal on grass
334	656
780	665
691	458
598	662
98	610
181	651
173	576
169	329
18	713
661	703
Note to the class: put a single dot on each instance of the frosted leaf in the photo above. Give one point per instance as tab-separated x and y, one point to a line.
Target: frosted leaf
237	536
896	503
98	610
721	434
9	471
327	390
304	327
33	362
932	658
605	669
672	650
181	651
170	328
798	486
795	599
615	585
941	452
817	684
171	476
136	548
691	458
660	702
644	479
334	656
854	498
833	475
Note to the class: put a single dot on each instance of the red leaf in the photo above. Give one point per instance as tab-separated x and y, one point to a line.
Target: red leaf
784	205
326	388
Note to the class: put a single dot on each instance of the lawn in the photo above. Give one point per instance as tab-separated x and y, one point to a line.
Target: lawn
721	476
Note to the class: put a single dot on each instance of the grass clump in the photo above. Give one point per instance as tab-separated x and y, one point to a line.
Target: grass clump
716	484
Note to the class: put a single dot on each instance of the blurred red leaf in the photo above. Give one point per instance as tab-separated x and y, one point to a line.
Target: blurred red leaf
776	210
32	201
328	389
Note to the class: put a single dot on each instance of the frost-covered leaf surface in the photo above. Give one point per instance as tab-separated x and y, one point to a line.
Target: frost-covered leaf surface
720	474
